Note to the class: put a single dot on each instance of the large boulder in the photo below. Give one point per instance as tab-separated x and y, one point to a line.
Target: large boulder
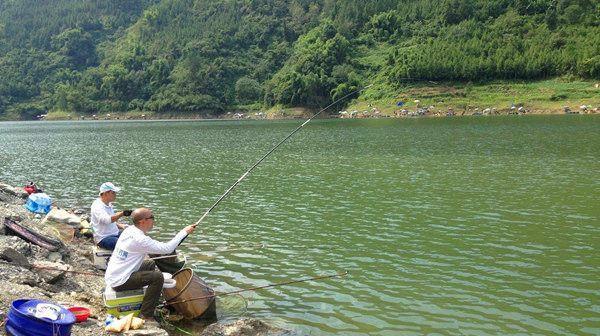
66	224
62	216
8	190
244	327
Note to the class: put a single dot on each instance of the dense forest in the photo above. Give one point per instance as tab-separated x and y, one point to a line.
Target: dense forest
213	56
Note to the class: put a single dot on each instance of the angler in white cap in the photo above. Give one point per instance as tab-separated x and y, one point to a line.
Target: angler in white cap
104	219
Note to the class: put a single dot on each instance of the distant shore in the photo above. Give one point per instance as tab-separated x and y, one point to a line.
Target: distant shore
372	112
551	96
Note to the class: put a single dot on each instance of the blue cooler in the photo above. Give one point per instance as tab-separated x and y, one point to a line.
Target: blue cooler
39	203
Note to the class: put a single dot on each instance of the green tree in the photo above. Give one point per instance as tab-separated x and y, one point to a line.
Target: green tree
77	45
248	90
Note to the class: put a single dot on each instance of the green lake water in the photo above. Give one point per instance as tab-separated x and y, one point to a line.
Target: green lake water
464	226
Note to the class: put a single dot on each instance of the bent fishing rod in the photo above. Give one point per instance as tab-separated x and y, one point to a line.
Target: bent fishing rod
337	275
272	150
227	250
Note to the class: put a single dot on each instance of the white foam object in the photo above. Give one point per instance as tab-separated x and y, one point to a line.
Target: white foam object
169	283
47	310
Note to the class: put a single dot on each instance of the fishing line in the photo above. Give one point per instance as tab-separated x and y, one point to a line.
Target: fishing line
28	266
234	305
272	150
225	250
341	274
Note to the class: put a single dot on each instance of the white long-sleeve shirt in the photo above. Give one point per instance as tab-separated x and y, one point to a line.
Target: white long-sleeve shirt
102	226
133	245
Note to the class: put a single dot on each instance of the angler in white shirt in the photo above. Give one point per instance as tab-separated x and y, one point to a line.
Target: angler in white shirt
104	219
127	268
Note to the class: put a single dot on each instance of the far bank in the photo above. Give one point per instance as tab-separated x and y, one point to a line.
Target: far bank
553	96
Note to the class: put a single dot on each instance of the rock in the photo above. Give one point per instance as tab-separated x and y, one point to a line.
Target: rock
12	191
29	281
50	272
55	257
16	243
13	256
147	331
244	327
86	229
62	216
8	198
66	225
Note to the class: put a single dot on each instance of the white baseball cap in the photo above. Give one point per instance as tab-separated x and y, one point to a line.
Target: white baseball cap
108	186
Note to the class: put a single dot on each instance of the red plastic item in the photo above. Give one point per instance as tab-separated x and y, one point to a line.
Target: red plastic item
81	313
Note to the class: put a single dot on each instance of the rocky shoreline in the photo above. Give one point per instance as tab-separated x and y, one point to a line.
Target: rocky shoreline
362	112
68	277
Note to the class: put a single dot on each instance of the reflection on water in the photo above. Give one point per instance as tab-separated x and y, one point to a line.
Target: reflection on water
462	226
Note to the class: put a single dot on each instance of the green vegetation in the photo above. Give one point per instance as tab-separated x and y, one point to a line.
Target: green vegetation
541	96
190	57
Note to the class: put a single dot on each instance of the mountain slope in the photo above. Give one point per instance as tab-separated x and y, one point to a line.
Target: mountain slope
190	56
44	44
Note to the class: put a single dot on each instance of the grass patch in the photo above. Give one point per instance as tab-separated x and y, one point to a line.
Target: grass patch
546	96
60	115
278	111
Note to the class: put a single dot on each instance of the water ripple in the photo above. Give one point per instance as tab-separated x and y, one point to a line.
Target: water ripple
465	226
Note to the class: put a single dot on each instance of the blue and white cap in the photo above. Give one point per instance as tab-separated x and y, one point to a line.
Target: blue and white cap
108	186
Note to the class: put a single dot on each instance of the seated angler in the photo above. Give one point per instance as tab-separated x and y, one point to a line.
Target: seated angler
127	269
104	219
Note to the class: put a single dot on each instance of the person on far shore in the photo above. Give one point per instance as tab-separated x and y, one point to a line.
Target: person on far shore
104	219
127	269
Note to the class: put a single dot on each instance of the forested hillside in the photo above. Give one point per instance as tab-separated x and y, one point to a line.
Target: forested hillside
211	56
48	46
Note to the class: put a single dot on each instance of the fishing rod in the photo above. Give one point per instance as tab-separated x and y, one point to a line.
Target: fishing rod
272	150
68	271
341	274
240	248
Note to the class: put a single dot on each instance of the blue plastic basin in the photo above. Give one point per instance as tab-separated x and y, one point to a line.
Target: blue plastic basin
22	322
